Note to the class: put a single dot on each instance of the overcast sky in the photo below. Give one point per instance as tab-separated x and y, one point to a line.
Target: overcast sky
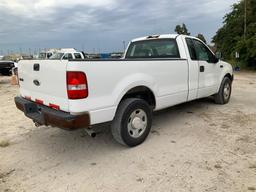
101	24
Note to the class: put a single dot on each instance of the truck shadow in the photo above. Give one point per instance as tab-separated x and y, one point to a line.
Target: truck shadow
68	145
189	107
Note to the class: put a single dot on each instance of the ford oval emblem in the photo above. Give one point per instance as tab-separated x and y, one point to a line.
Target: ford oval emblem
36	82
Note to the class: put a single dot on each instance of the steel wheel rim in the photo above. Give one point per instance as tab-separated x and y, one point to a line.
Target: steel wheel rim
226	91
137	123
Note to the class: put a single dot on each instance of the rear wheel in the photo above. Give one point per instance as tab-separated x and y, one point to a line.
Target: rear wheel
132	122
224	94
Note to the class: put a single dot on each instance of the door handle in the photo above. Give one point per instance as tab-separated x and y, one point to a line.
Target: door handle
201	69
36	67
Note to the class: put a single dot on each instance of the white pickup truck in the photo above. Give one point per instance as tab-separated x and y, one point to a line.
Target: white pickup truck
156	72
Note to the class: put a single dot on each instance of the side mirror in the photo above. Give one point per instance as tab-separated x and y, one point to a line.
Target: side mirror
216	60
218	55
213	60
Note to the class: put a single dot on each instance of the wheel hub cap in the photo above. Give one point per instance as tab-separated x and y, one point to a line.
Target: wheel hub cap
226	91
137	123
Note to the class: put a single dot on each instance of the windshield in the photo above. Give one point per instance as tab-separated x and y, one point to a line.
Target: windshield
57	56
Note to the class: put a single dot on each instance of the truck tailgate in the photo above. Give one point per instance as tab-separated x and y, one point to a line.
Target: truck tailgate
44	81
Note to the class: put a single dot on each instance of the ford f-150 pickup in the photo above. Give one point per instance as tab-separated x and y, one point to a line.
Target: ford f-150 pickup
156	72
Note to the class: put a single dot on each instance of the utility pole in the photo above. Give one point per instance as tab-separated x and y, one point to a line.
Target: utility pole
83	47
245	19
124	45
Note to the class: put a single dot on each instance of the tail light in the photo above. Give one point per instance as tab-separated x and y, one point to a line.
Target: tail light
77	87
15	73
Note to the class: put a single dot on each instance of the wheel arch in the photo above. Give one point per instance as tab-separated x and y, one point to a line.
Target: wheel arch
142	92
228	75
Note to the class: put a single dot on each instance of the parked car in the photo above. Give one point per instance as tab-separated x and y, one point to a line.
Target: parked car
6	67
67	56
157	72
47	54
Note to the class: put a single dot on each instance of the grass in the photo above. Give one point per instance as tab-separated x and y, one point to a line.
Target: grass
4	143
243	65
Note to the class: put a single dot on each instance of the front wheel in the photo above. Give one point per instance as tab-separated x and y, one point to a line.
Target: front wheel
224	94
132	122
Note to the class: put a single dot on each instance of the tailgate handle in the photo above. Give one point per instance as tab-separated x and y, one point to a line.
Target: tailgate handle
36	67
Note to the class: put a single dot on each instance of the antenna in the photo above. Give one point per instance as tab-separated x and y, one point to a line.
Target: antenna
124	45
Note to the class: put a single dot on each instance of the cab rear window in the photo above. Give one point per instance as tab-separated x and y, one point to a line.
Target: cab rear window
157	48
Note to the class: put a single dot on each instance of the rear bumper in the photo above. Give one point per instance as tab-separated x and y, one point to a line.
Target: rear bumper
44	115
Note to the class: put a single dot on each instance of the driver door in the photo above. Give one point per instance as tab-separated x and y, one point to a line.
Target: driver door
209	69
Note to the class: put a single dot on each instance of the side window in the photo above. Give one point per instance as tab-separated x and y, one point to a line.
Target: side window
77	56
202	52
67	56
70	56
191	49
49	55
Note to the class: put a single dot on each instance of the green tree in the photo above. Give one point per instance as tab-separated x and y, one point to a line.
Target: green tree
231	38
201	36
182	29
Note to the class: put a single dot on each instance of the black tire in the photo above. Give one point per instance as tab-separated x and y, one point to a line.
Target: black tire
223	97
121	125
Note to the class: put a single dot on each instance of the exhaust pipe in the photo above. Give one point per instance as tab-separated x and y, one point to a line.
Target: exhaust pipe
90	132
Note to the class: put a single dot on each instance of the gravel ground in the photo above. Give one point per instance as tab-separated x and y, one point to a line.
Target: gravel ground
198	146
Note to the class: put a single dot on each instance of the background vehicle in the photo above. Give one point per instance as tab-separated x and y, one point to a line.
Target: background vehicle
157	72
6	67
67	55
63	53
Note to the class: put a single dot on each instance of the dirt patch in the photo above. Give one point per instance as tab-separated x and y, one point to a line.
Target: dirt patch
4	143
